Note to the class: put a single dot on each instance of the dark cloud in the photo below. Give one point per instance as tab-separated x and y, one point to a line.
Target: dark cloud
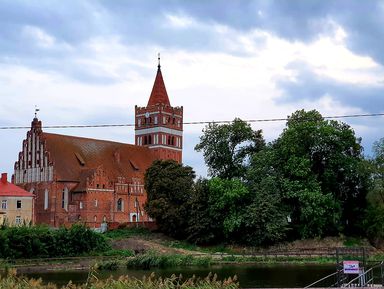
142	23
310	86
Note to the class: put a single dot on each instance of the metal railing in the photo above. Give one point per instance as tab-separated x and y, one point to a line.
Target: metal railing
322	279
366	278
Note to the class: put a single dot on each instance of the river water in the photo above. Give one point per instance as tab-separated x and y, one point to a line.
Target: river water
255	275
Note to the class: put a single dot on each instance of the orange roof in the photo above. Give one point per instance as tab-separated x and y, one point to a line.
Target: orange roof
10	190
75	158
159	93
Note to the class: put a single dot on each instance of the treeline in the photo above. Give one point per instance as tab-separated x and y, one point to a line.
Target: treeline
41	241
312	181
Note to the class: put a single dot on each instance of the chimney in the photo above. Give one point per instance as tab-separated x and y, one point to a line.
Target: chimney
4	178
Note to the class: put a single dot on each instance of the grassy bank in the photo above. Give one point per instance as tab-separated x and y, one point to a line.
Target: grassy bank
11	281
153	260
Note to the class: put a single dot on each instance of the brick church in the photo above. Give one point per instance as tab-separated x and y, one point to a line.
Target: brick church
97	181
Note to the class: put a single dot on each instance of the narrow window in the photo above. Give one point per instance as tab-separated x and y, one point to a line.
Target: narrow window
81	205
119	205
18	220
18	204
64	199
155	119
4	204
46	200
95	203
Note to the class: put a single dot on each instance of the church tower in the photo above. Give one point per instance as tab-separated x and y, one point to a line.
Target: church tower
159	126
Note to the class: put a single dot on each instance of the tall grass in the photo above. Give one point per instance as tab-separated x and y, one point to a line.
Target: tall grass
151	260
11	281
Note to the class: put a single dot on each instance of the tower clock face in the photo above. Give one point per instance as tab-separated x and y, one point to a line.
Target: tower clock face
147	114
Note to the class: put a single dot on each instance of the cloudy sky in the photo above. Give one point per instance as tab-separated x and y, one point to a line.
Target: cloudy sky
91	62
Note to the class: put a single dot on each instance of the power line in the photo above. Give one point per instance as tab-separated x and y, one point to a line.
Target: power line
191	122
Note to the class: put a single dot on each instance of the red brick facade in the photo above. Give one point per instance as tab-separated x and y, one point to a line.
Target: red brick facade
95	181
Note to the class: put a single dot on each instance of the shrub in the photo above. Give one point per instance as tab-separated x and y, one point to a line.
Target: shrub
42	242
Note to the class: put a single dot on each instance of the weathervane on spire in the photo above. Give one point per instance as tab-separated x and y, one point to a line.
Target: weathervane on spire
158	58
36	110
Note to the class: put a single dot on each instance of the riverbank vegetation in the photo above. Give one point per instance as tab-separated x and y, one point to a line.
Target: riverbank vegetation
312	181
11	281
43	242
154	260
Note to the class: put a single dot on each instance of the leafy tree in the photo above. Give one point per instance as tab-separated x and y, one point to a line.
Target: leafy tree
227	199
169	186
317	167
227	148
203	227
374	221
376	165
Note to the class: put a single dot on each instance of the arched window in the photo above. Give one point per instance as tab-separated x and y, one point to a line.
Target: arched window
95	218
104	219
169	140
120	205
134	218
149	139
145	140
173	140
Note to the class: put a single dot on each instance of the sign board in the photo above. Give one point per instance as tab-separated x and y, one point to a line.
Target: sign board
351	267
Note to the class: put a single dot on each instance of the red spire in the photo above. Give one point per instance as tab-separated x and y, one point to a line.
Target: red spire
159	92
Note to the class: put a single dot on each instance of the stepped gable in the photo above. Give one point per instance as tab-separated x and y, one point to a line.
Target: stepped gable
76	158
159	93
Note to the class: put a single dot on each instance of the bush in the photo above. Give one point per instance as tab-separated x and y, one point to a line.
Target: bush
43	242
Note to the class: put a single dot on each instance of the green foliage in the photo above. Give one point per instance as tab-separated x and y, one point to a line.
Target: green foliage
11	281
108	265
169	186
40	241
374	219
121	253
122	233
317	167
200	228
227	148
152	259
225	202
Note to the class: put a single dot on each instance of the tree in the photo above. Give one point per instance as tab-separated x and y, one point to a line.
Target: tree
169	186
317	166
203	227
228	147
374	220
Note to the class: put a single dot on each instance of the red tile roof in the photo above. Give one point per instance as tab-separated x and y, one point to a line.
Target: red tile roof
10	190
75	158
159	92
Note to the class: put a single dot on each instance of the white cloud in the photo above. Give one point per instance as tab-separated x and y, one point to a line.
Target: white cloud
42	38
179	21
